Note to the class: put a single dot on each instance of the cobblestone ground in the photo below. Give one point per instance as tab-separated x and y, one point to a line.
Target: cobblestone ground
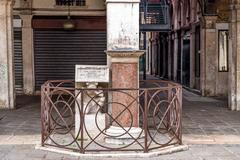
209	128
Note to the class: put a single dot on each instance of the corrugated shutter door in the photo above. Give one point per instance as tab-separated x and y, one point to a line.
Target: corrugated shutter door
58	51
18	60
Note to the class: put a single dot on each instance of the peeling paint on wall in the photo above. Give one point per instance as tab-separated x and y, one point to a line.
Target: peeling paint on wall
123	26
124	40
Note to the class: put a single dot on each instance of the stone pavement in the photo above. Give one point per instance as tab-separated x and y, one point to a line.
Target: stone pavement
209	128
208	121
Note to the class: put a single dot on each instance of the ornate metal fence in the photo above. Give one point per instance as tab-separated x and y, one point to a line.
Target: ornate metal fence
67	121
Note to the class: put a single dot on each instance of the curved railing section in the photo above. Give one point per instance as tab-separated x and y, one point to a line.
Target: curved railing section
78	119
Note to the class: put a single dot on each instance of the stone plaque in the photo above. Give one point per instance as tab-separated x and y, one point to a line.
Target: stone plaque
92	73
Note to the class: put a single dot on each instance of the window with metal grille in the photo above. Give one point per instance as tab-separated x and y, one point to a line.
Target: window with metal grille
154	12
71	2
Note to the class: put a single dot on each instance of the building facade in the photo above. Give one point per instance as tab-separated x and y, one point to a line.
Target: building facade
199	51
43	40
46	49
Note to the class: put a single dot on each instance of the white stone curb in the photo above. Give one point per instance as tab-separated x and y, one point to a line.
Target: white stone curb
155	153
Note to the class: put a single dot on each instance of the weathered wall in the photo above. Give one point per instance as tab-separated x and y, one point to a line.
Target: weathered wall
26	9
7	96
223	10
209	68
123	35
214	82
185	17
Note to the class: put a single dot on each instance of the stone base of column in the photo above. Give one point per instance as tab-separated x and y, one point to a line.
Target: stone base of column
125	70
120	136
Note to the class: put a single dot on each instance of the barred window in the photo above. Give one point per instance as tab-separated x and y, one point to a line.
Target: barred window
71	2
223	50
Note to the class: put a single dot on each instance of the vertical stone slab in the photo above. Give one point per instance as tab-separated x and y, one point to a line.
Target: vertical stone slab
6	56
208	57
192	57
121	81
232	49
123	59
234	57
124	66
122	41
122	24
237	58
28	57
170	58
175	55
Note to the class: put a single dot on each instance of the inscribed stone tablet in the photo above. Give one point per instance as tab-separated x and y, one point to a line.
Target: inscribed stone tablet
91	73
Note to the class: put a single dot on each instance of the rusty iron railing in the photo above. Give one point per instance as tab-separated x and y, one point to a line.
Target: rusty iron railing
160	112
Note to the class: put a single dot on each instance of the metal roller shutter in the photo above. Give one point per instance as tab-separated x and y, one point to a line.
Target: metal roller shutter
18	60
58	51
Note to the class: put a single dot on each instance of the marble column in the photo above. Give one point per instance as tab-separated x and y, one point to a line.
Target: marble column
7	96
234	57
123	58
28	57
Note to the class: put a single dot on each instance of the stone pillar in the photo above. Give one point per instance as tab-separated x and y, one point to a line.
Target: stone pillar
123	58
148	68
192	57
7	95
28	57
170	58
181	55
208	56
175	55
234	57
